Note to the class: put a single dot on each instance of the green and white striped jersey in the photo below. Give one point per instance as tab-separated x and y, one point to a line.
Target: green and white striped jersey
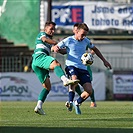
42	47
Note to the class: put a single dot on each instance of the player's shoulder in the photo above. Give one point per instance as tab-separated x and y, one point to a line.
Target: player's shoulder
42	34
69	38
87	38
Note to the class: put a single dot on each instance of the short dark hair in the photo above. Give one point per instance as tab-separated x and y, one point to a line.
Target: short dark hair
83	26
76	24
49	22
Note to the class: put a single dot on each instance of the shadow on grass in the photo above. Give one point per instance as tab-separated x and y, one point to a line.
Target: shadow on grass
105	119
62	130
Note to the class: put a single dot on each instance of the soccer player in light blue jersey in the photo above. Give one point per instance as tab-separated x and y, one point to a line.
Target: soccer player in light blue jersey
42	62
76	46
77	89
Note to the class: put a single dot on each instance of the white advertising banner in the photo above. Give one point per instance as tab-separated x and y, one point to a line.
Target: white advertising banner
123	84
97	15
26	86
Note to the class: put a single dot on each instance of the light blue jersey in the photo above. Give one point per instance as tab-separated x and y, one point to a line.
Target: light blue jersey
75	49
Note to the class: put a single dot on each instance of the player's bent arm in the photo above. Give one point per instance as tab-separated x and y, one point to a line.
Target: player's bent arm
55	48
99	54
49	41
58	50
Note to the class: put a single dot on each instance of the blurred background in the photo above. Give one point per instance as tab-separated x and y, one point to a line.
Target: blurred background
111	30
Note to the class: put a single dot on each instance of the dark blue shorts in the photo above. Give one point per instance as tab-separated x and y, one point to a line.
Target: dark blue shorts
82	75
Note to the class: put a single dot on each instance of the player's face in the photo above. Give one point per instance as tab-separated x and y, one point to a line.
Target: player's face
74	29
81	34
50	29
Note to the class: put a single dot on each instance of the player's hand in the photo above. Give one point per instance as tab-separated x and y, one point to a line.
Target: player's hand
107	64
55	49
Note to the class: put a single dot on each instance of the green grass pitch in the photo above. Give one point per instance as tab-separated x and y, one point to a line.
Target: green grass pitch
108	117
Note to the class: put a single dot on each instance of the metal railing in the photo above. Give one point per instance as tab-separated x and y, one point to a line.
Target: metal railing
14	64
119	61
19	63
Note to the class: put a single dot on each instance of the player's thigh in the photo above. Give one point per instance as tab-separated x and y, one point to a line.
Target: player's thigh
84	78
43	61
47	62
42	74
71	71
88	87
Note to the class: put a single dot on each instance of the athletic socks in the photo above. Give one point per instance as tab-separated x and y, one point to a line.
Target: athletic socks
43	95
59	71
77	89
92	96
39	104
79	100
71	96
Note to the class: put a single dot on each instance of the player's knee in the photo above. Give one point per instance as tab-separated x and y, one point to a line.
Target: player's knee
85	95
47	87
47	84
56	63
89	91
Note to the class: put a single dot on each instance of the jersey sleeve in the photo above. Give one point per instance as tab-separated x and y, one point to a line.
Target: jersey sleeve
90	45
63	43
42	35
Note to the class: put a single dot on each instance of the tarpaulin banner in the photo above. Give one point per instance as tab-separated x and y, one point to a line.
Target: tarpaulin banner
26	87
98	15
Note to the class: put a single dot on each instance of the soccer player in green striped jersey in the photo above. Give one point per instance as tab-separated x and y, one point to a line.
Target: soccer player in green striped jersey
42	62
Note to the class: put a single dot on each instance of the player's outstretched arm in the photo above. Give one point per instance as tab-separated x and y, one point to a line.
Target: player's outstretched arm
99	54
